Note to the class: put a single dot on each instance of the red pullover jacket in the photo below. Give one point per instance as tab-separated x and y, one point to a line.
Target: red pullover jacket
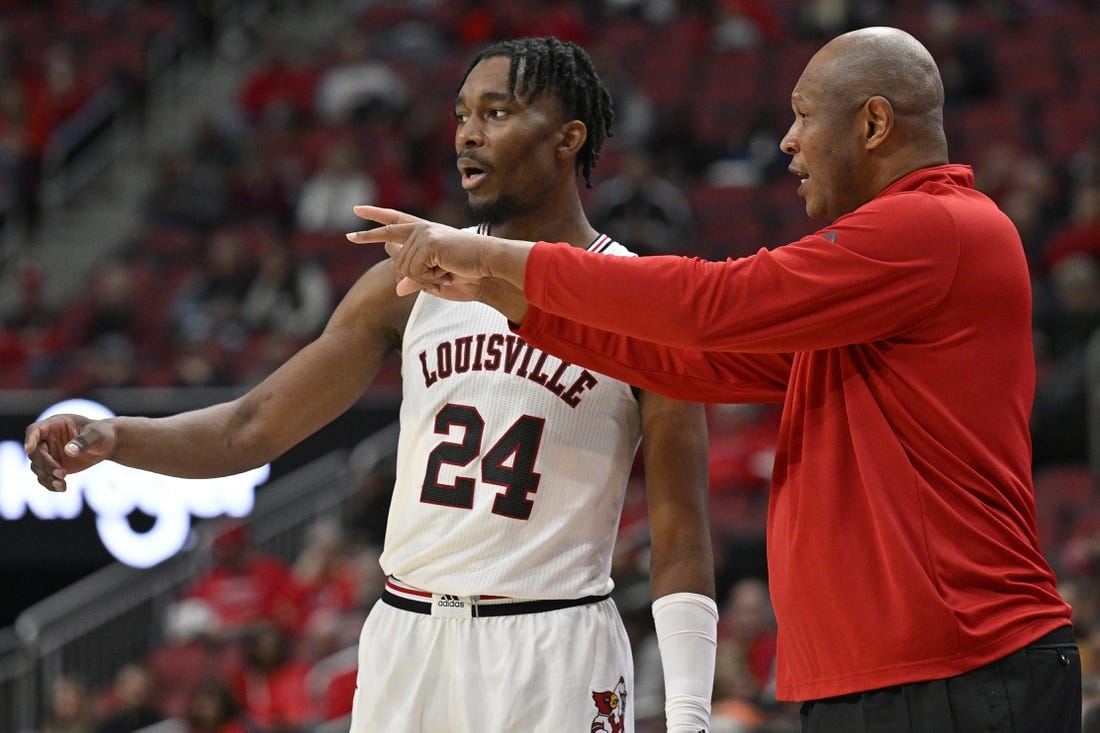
901	528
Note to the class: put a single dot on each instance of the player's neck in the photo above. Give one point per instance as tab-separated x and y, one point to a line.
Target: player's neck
567	224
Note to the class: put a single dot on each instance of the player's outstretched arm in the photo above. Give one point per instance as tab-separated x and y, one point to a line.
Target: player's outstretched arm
685	615
311	389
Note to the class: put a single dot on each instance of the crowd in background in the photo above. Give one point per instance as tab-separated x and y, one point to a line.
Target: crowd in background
242	255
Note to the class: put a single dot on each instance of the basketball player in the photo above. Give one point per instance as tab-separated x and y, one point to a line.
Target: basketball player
512	463
909	587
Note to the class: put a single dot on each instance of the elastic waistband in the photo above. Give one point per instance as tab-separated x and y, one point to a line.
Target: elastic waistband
451	606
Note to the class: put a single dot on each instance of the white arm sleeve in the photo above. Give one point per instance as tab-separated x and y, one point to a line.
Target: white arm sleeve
687	635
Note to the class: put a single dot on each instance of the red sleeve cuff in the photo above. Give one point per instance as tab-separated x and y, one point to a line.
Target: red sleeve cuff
535	276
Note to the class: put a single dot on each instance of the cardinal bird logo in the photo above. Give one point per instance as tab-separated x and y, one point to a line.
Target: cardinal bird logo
610	709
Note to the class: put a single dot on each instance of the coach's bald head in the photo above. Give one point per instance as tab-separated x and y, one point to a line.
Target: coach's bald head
868	110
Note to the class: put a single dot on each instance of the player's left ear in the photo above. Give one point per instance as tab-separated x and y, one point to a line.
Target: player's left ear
573	135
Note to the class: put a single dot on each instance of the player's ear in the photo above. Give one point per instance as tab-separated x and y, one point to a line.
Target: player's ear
573	136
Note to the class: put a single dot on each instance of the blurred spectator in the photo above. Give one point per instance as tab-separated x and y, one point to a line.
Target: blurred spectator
1091	718
215	145
370	581
634	111
476	22
31	310
112	332
1025	186
561	20
20	158
54	91
743	24
198	364
1080	593
108	362
749	154
742	447
270	683
71	709
745	659
965	59
131	702
366	510
654	12
288	295
358	86
185	194
212	708
674	151
1026	211
634	599
747	618
115	303
332	682
266	352
244	585
733	709
324	571
193	649
1082	232
643	210
420	42
1059	419
327	197
1073	316
280	89
1083	166
829	18
31	337
260	189
207	305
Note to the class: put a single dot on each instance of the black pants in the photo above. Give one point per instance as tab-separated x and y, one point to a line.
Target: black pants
1034	690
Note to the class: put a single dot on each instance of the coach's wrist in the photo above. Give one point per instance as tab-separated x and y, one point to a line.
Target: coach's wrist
507	259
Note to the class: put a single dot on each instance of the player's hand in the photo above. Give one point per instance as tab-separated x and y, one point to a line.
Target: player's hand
432	257
64	444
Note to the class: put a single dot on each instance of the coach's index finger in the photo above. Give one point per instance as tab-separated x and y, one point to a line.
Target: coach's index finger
383	215
387	233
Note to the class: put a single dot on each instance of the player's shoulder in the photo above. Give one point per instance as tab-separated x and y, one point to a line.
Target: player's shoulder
603	244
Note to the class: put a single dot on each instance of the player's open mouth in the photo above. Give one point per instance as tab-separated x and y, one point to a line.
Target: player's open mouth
472	175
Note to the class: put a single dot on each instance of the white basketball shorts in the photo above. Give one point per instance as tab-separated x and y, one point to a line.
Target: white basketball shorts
440	669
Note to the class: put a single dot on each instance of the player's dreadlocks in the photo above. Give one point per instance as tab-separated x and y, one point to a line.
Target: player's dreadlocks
564	68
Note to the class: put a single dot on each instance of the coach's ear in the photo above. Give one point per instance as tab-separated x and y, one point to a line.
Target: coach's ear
878	119
573	136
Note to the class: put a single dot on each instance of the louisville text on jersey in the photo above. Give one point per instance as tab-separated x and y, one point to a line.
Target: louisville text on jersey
512	355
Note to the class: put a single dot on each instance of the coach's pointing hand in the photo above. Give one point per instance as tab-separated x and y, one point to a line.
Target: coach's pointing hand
434	257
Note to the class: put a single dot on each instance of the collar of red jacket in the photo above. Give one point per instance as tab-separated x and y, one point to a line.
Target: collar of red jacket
952	174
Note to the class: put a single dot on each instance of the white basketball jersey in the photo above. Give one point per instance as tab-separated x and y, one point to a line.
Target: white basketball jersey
512	464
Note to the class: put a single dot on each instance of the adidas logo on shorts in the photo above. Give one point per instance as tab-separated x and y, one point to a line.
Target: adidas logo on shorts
450	602
451	606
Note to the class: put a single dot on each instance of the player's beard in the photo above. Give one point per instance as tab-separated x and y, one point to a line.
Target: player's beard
497	211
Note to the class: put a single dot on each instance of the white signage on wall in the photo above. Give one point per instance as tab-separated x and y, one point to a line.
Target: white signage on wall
113	492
